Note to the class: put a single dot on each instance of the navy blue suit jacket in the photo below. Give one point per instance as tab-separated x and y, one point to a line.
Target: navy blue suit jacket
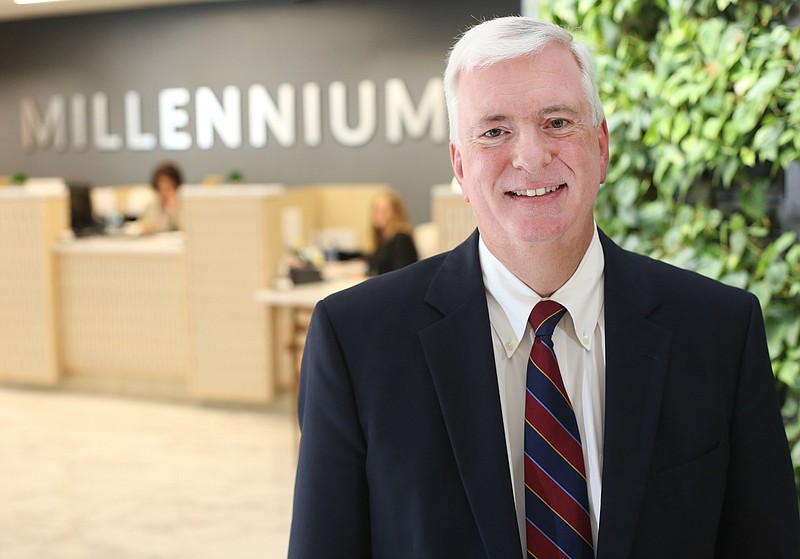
403	454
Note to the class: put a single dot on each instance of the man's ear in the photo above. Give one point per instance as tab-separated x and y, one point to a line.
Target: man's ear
602	138
458	169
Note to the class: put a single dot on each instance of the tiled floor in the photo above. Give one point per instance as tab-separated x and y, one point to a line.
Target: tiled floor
97	477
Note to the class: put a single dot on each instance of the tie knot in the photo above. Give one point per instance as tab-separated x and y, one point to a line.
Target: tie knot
544	317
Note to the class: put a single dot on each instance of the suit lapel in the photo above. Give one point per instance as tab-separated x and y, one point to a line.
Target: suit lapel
459	352
637	352
461	360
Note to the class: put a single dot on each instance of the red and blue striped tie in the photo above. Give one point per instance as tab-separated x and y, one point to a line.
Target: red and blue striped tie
556	499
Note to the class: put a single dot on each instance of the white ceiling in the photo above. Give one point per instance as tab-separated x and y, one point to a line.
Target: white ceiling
10	10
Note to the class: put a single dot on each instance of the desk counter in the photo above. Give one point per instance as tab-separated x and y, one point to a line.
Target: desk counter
164	243
304	296
289	311
124	314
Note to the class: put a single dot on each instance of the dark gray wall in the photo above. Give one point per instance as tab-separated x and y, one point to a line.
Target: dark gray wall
266	42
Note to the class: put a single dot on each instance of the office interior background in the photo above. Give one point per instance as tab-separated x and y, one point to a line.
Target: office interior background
147	382
338	74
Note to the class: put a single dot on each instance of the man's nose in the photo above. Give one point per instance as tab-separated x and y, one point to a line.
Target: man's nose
532	150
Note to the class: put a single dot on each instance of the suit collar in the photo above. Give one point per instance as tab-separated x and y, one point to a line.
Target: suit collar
459	352
627	280
637	353
462	268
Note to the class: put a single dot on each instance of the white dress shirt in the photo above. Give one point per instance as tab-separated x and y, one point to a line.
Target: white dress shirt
579	341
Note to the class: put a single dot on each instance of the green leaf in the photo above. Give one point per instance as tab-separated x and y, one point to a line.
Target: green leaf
748	156
766	140
789	373
745	82
753	199
781	36
729	169
732	45
775	249
627	191
793	332
793	256
709	35
744	119
680	127
776	275
765	87
785	241
654	212
776	339
712	127
722	4
710	267
585	5
763	292
738	242
736	279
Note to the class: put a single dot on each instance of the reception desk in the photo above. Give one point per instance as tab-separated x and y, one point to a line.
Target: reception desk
186	315
172	314
124	324
169	315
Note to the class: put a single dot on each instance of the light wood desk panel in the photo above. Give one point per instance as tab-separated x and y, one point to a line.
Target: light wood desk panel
233	248
124	315
29	225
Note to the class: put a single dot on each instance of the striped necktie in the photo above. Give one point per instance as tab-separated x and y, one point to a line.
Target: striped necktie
556	499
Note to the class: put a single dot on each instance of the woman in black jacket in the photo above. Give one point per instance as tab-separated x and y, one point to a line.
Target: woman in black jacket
391	235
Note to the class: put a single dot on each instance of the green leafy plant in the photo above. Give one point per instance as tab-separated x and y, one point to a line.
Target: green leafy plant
703	103
19	178
234	177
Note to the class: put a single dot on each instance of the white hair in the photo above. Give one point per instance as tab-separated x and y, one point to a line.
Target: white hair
506	38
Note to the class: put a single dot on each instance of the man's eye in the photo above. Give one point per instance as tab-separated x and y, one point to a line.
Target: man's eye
493	133
558	123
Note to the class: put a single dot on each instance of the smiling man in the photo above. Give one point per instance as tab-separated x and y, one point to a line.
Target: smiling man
530	155
538	391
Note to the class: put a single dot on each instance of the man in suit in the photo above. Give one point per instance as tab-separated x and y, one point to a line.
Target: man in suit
416	386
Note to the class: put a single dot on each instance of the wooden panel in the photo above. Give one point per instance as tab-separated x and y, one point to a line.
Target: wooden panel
233	248
305	202
29	226
452	216
124	319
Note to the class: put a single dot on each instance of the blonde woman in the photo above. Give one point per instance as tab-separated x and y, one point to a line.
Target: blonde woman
391	235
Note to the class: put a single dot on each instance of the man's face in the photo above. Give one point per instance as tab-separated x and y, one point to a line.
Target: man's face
530	161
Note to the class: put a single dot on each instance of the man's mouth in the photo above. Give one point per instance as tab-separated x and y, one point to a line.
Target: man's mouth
537	191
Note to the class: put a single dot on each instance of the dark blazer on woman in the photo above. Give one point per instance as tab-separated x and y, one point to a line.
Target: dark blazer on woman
396	253
403	454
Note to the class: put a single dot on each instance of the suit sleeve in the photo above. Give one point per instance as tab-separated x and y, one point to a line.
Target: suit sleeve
760	514
331	512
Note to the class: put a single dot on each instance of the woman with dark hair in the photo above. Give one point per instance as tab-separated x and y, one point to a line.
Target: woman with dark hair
391	235
163	214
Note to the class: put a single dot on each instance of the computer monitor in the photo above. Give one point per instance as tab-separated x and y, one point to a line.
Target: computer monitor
82	219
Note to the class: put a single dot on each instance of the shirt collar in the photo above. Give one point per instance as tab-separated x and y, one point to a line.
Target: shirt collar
581	295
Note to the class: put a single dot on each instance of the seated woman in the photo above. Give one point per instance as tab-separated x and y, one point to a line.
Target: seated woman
163	214
391	234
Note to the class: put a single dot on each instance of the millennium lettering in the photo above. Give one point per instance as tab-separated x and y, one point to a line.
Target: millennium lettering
256	117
